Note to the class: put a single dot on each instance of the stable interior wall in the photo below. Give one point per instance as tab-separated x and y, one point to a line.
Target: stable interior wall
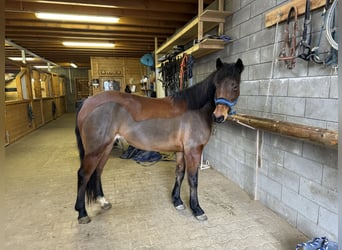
296	179
32	99
70	75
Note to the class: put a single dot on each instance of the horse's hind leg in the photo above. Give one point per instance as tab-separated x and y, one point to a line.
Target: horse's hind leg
88	166
180	170
192	162
100	198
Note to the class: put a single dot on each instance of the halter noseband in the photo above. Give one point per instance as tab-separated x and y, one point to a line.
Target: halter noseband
228	103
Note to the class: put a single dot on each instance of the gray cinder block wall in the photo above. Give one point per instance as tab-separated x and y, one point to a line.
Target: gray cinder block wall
296	179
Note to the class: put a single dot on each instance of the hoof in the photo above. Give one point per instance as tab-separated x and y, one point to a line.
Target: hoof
201	217
180	207
84	220
106	206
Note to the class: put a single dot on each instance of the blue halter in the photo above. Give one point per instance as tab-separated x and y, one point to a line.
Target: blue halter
228	103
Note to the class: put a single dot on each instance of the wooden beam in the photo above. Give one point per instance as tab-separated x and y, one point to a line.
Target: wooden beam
271	17
302	132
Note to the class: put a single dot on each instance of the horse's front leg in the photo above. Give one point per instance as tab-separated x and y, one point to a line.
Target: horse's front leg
180	171
192	161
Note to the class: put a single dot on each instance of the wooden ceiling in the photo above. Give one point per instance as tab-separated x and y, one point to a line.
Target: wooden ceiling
140	22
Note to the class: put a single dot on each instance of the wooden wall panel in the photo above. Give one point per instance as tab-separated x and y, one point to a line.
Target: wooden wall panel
37	113
47	109
126	70
17	123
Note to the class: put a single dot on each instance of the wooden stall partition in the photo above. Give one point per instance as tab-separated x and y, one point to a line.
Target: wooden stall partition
20	87
37	108
18	119
62	91
48	114
60	106
35	84
24	84
55	84
11	93
46	84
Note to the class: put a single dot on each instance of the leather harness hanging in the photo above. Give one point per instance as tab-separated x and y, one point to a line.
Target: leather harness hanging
305	44
288	53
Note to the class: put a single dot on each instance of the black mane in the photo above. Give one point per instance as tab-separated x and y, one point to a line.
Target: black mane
197	95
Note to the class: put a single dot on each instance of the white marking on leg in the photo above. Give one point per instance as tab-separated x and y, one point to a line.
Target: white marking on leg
102	200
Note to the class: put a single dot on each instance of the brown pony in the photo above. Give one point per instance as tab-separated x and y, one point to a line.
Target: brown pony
180	123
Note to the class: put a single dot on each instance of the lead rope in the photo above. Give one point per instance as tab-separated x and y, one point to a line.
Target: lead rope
260	139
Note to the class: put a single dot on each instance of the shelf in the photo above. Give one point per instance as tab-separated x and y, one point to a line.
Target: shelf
210	19
203	48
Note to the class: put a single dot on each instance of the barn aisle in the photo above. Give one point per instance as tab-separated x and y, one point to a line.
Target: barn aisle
40	171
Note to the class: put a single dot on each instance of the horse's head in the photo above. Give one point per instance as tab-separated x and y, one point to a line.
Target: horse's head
227	83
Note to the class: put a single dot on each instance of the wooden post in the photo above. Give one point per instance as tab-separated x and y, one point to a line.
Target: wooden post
200	23
312	134
221	25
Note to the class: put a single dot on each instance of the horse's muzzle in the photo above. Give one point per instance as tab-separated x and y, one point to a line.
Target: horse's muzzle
218	119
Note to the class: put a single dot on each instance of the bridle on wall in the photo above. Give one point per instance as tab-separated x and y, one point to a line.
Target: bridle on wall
288	53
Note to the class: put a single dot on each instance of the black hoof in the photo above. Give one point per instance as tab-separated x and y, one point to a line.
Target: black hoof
106	206
84	220
180	207
201	217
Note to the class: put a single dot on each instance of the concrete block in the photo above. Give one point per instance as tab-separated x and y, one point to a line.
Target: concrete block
317	69
287	144
261	6
328	220
299	203
250	159
263	38
333	87
251	26
257	103
309	86
270	186
251	57
259	71
321	154
277	87
305	121
288	106
281	71
284	176
266	54
311	229
325	197
249	88
304	167
289	214
241	15
332	126
330	178
322	109
240	45
273	155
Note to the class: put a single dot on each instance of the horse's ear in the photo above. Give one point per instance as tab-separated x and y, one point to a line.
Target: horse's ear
239	65
219	63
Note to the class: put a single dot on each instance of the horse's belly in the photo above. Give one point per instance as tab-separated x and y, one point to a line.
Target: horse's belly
154	134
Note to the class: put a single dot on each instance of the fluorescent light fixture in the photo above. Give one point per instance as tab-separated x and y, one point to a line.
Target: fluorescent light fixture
73	65
89	45
43	66
77	18
20	58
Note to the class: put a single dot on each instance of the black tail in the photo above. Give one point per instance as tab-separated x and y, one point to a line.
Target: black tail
78	135
91	185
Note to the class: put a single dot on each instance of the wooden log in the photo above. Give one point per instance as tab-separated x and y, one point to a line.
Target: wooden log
271	17
307	133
